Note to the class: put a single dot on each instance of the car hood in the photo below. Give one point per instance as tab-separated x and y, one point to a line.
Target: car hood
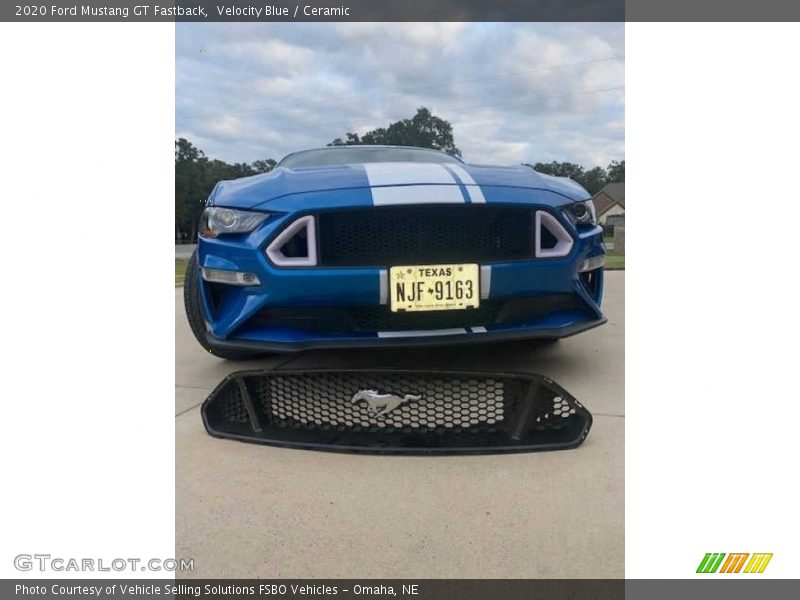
258	190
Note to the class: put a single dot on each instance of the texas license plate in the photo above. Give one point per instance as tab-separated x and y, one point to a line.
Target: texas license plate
434	287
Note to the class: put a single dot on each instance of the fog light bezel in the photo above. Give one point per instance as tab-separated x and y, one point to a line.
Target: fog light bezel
592	263
240	278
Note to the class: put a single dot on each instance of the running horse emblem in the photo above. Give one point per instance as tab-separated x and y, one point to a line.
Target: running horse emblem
380	404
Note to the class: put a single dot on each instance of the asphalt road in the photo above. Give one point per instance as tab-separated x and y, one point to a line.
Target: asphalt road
245	510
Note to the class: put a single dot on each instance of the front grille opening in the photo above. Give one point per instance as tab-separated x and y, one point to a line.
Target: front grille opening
297	245
408	235
548	240
552	239
215	292
380	318
591	283
370	319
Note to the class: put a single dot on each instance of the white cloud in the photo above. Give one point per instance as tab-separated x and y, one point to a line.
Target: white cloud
513	92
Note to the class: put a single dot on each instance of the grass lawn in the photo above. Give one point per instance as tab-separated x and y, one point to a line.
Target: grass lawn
180	270
615	261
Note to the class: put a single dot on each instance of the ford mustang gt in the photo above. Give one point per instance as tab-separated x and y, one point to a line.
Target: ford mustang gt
355	246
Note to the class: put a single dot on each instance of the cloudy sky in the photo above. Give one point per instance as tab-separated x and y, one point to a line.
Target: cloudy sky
514	92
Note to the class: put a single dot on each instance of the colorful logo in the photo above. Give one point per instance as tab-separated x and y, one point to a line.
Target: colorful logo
713	562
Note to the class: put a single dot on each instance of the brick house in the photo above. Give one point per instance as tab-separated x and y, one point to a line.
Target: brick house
610	205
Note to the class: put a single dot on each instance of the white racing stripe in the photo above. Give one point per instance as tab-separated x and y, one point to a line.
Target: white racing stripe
412	183
478	329
473	189
403	173
420	333
417	194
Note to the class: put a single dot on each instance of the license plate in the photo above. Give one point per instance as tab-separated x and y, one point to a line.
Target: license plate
434	287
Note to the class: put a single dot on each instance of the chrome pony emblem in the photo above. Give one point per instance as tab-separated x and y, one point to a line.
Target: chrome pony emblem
380	404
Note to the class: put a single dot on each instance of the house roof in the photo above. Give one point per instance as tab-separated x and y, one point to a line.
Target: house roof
611	194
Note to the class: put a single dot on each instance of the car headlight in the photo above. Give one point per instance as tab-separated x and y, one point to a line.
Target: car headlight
582	213
217	220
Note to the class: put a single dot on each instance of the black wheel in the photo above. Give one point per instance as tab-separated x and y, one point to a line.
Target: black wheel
194	313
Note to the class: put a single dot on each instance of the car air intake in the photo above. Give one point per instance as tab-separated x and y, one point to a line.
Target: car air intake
375	318
407	235
296	245
397	411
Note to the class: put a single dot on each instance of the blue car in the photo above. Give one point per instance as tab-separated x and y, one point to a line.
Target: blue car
370	246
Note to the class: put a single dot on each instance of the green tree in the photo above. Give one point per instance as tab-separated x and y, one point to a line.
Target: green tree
263	166
423	130
352	139
560	169
616	171
195	177
190	188
593	180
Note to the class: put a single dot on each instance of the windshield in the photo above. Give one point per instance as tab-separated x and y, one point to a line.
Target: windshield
348	155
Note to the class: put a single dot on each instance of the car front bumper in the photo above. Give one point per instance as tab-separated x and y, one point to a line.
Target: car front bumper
301	342
239	317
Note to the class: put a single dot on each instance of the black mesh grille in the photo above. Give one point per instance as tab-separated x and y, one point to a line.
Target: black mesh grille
434	404
395	409
233	409
381	318
407	235
334	319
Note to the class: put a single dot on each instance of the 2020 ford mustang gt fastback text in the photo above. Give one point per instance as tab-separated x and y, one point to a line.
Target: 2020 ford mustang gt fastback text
380	245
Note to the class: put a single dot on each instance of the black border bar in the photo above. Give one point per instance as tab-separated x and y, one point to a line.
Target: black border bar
733	588
399	10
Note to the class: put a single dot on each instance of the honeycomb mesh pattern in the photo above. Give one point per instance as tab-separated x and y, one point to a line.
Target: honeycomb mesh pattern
331	402
233	409
381	318
421	234
554	415
397	411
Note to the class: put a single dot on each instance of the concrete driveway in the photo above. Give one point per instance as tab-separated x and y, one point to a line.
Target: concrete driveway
184	250
245	510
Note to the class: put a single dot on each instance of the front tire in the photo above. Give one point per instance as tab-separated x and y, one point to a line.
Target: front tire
194	314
